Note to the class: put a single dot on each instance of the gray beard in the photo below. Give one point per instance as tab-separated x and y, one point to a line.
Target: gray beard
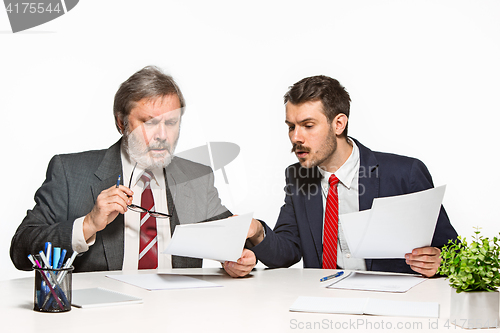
138	152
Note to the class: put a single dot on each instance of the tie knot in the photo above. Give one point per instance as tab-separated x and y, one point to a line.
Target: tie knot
333	180
146	177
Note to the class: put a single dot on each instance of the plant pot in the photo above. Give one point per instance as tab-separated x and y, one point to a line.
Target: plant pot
474	309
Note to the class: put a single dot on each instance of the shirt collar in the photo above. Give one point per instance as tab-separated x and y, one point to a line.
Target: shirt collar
347	171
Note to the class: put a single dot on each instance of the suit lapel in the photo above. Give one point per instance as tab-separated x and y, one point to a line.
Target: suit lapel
112	236
178	192
174	220
313	205
369	182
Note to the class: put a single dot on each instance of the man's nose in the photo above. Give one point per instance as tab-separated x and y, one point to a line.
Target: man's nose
296	136
160	133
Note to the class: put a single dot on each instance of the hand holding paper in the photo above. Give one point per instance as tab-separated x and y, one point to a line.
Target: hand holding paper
424	260
242	266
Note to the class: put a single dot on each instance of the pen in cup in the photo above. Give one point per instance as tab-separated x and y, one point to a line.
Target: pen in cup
48	254
61	260
48	284
68	264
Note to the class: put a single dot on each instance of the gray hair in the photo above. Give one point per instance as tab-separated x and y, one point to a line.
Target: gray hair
150	83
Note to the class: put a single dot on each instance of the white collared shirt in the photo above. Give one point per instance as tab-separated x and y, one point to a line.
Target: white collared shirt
132	220
348	203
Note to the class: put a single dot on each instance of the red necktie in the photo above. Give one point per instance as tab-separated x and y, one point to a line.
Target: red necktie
148	247
331	228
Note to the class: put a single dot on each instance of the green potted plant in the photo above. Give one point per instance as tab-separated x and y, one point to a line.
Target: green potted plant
473	270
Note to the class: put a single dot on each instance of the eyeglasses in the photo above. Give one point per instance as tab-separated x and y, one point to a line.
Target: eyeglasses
140	209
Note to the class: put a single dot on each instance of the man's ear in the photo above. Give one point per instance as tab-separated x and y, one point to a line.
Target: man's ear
120	125
339	123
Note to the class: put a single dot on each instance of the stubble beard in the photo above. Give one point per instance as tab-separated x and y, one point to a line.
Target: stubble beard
320	156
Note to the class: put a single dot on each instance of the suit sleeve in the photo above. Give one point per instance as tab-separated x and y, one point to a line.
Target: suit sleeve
281	246
47	221
420	179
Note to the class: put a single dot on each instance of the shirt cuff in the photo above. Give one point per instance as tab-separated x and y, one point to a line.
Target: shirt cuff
78	241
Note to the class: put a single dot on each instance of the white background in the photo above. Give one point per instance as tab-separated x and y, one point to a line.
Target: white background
424	79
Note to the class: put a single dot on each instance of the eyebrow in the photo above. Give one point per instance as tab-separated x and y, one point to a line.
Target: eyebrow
301	121
149	117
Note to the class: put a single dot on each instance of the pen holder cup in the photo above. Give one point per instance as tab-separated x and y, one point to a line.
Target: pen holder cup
53	289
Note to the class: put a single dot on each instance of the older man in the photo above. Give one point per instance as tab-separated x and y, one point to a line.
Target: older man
118	207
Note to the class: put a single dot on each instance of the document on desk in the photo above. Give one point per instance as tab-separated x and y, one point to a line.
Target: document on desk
393	226
369	306
162	281
396	283
221	240
97	297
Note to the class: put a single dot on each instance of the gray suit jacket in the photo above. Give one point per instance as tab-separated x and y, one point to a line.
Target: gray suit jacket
71	187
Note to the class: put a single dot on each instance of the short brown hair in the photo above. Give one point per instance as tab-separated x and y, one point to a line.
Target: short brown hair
330	92
150	82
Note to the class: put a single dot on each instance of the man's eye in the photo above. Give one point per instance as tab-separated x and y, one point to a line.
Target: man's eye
290	128
151	122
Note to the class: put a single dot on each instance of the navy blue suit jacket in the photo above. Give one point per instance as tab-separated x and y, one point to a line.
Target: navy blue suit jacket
298	231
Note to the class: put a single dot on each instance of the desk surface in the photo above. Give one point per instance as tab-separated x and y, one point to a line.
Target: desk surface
258	303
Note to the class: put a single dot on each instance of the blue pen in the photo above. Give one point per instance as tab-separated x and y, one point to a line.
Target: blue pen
118	181
326	278
56	256
61	260
48	254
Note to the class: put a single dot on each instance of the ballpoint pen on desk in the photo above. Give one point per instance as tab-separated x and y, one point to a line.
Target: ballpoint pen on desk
329	277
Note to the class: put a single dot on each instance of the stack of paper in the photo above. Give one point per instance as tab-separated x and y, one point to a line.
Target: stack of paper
377	282
393	226
163	281
369	306
96	297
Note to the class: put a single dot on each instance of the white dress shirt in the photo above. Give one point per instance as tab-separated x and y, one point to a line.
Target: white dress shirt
132	219
348	193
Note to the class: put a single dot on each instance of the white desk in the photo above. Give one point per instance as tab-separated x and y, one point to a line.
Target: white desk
258	303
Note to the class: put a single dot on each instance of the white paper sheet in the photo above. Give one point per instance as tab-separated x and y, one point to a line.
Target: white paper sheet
393	226
97	297
163	281
221	240
378	282
369	306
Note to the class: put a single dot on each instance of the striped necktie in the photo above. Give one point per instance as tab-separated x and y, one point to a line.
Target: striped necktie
330	232
148	247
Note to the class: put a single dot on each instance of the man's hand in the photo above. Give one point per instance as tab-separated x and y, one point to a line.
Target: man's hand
243	266
108	205
424	260
255	232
